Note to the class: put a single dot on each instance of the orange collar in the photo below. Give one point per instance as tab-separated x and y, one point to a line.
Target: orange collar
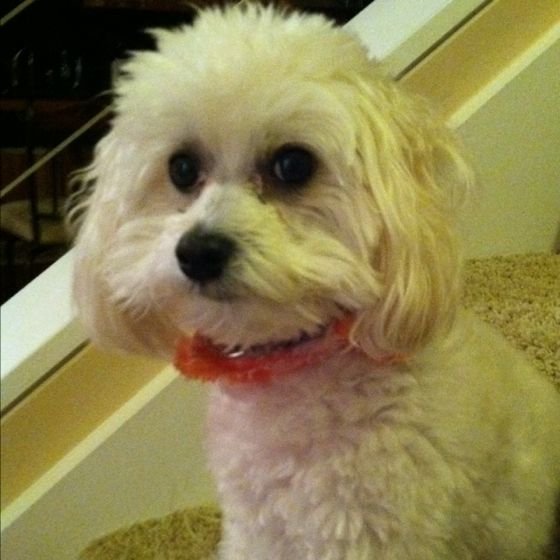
198	357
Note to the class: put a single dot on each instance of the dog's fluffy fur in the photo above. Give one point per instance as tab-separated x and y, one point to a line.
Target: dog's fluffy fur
451	453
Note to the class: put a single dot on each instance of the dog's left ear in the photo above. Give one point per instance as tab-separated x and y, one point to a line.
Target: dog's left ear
411	165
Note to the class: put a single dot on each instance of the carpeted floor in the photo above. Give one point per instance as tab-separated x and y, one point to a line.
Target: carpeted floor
519	294
190	534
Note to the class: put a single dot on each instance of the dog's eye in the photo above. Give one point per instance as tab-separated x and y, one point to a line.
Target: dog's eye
292	165
184	170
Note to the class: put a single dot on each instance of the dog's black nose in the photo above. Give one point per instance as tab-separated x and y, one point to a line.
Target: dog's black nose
203	256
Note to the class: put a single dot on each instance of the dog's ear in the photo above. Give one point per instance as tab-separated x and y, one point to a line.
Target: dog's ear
411	165
96	216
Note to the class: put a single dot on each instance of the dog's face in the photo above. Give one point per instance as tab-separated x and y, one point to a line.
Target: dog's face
261	179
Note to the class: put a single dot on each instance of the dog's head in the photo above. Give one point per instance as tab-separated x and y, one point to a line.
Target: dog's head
262	178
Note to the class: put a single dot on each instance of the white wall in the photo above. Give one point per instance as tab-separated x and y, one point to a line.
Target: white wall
514	139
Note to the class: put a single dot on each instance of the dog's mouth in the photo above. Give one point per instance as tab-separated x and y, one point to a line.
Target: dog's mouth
269	348
198	357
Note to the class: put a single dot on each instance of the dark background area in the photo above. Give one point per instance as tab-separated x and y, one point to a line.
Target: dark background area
56	65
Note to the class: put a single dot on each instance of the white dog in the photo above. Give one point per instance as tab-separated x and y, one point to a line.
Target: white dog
265	186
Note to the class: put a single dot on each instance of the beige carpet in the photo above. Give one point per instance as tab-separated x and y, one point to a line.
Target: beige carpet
191	534
520	295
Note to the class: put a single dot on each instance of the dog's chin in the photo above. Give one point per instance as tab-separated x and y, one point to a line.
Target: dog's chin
263	349
260	342
237	325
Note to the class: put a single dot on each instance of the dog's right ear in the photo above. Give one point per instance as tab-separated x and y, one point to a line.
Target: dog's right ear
413	168
96	214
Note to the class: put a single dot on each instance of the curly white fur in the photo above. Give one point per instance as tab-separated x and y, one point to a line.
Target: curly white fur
452	453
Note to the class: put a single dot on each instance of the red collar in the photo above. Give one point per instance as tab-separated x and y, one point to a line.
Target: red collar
199	358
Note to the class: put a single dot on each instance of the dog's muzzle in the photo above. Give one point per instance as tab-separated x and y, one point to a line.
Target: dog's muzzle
203	256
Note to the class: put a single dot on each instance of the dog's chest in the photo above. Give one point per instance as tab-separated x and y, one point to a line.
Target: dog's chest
321	413
297	455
